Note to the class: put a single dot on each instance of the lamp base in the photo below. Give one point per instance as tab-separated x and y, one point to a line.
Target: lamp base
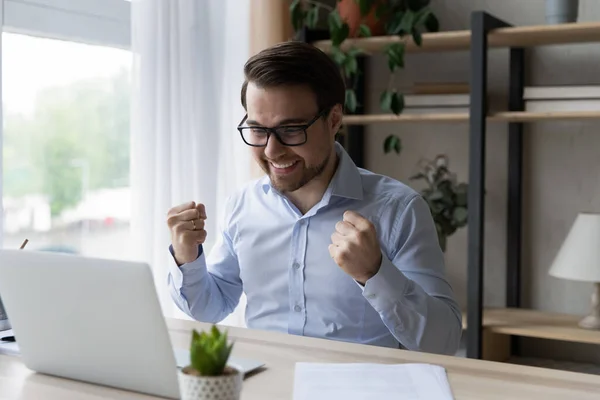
590	322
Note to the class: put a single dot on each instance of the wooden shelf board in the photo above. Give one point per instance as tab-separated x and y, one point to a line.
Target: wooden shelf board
538	324
520	36
390	118
531	116
504	116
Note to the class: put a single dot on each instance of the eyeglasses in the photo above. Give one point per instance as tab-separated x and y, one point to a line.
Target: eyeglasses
287	135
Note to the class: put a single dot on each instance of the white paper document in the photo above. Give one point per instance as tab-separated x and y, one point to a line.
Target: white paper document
317	381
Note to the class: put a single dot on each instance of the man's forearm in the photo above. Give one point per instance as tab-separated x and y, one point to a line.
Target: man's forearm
200	294
418	320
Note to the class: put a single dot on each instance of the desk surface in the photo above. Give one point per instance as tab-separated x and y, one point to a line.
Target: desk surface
469	379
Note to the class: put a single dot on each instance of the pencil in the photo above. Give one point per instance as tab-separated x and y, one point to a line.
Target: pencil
24	244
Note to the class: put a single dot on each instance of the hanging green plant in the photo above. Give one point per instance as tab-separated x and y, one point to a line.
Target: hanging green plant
365	18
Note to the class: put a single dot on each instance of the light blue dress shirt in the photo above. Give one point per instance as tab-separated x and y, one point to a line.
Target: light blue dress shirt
280	259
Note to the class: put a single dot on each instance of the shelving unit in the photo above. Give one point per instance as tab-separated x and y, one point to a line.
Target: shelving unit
497	326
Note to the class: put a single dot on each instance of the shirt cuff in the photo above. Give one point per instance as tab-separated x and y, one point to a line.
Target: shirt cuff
386	287
177	272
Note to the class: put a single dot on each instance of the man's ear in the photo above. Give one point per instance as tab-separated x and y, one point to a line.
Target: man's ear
336	118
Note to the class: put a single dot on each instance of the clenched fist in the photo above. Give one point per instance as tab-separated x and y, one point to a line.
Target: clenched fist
186	223
355	248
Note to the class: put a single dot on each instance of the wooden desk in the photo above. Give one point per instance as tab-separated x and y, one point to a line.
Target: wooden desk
469	379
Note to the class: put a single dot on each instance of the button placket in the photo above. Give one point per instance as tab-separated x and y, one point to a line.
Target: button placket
297	318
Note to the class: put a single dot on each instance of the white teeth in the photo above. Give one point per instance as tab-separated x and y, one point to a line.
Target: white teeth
281	166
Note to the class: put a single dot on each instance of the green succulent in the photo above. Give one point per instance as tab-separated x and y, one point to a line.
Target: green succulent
209	352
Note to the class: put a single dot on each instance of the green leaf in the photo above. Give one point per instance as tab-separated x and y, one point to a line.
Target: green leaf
394	25
408	20
364	30
338	29
392	142
432	24
417	37
312	17
422	16
395	55
397	103
334	20
338	56
195	336
460	216
350	100
385	101
297	14
350	65
462	194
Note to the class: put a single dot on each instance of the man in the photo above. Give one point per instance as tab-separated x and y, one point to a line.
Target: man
320	247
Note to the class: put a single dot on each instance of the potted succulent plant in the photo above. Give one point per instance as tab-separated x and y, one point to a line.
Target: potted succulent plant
446	198
208	376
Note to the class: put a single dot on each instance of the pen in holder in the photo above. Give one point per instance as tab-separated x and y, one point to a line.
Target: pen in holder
4	322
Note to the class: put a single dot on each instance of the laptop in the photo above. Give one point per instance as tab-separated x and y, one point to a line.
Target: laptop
93	320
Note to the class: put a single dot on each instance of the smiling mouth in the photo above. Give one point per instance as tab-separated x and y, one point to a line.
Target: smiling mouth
283	168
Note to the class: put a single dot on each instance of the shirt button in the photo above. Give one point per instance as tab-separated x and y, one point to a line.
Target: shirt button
296	265
297	308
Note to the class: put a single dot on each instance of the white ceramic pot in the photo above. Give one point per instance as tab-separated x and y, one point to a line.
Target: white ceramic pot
561	11
224	387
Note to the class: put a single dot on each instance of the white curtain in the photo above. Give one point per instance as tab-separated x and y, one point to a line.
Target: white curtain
188	70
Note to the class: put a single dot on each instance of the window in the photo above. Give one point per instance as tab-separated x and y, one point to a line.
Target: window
65	182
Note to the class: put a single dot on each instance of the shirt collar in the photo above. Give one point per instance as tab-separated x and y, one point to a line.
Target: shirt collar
346	181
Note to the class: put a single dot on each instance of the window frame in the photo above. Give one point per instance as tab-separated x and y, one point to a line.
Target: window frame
101	22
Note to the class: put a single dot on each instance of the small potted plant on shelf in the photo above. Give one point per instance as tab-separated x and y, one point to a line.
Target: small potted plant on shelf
208	376
446	198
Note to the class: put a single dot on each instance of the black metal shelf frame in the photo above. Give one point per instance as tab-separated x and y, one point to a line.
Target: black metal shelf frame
481	24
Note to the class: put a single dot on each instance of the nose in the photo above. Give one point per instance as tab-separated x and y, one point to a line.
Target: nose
274	149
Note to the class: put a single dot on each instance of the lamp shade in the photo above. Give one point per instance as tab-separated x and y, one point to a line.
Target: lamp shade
579	256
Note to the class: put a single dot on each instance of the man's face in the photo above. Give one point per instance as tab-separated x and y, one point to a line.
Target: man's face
291	167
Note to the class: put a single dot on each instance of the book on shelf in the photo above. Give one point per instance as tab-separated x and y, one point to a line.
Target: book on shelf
562	105
561	92
436	100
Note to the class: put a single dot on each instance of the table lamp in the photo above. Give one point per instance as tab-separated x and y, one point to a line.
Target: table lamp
579	259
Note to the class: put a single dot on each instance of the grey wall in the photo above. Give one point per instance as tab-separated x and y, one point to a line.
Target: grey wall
561	168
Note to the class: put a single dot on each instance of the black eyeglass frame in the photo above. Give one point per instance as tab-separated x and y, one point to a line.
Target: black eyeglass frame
273	131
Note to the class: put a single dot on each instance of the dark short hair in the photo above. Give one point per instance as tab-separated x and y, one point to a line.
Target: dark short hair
296	63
